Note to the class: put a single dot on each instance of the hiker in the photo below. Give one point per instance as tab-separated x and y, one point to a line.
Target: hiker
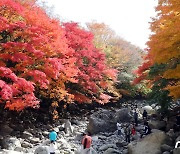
67	126
119	128
136	118
144	115
87	140
127	132
147	129
53	136
86	145
133	130
53	146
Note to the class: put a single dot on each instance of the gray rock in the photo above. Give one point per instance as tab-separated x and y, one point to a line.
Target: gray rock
1	137
10	152
56	129
102	137
125	151
25	144
149	109
166	147
102	121
61	128
34	140
171	133
78	136
123	115
19	149
135	137
139	128
63	144
155	124
121	144
95	138
41	150
150	144
166	152
26	134
45	133
176	151
111	151
10	143
76	122
5	130
106	146
19	128
84	151
48	127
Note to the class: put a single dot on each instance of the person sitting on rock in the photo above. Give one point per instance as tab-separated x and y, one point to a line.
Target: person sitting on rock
144	115
147	129
87	140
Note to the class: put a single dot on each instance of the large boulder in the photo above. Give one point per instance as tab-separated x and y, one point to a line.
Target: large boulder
10	152
150	144
102	121
26	135
166	147
85	151
149	109
42	150
111	151
5	130
105	120
123	115
10	143
155	124
176	151
106	146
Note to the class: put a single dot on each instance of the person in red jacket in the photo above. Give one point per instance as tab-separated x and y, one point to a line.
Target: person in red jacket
87	140
133	130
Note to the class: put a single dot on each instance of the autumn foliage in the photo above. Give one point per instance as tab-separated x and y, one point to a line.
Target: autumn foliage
41	58
161	67
94	77
120	55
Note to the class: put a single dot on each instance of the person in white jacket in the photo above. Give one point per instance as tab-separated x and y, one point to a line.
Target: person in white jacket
52	148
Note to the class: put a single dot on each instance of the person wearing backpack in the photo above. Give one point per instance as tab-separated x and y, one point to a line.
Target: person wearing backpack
87	140
53	145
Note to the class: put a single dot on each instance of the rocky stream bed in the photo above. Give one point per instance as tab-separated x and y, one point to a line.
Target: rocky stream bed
22	137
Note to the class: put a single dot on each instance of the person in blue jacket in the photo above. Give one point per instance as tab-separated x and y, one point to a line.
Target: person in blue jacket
53	136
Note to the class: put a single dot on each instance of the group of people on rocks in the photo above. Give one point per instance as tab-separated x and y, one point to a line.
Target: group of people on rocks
124	130
86	143
130	129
